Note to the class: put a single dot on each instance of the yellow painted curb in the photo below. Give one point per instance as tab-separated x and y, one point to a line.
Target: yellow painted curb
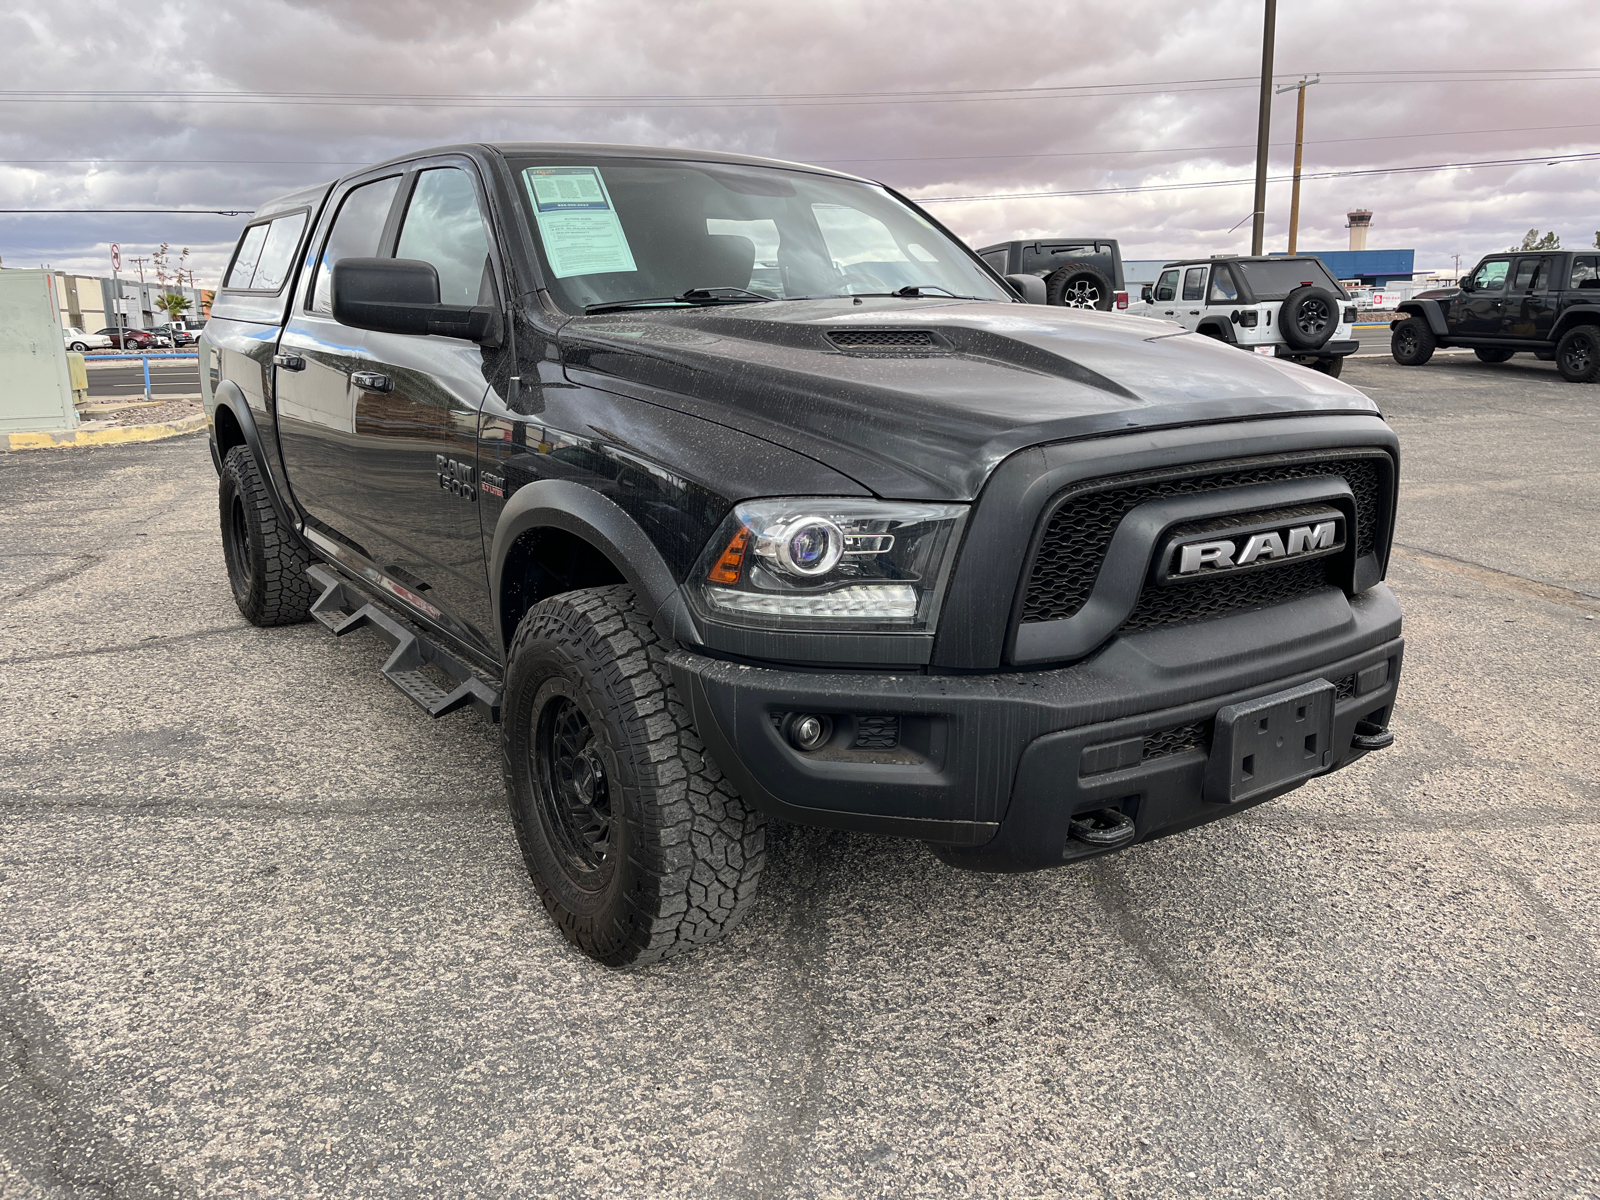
55	440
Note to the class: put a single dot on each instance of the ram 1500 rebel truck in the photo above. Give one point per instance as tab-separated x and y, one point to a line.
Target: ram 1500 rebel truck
1546	302
1277	306
736	489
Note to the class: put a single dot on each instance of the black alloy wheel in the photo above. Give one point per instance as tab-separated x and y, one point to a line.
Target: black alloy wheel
1312	317
266	561
1412	343
573	786
1308	317
1578	355
236	548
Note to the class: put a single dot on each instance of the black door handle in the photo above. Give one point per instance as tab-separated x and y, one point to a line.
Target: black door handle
289	362
371	381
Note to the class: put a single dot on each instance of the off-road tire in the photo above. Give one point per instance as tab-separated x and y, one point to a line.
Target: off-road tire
682	853
1079	285
1412	342
266	562
1332	367
1578	354
1308	318
1490	354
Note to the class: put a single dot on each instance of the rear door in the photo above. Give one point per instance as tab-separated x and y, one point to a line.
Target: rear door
1530	313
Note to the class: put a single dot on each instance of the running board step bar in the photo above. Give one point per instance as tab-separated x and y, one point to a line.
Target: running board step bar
342	609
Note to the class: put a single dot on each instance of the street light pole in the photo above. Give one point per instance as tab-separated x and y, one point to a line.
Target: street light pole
1299	142
1258	227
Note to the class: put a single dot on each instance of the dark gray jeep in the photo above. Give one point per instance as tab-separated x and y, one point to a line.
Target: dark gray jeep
736	489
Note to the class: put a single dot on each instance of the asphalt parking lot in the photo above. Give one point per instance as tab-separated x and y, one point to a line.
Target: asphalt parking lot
265	929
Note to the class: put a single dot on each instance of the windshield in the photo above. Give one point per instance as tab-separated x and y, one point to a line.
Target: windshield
614	230
1276	278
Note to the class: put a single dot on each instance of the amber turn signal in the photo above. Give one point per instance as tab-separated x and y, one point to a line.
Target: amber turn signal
730	563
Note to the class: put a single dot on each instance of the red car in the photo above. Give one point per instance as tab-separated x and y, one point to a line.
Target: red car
137	339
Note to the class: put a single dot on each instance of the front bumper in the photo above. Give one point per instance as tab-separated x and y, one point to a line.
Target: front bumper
991	768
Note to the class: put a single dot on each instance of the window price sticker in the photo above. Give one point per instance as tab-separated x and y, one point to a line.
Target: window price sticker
582	234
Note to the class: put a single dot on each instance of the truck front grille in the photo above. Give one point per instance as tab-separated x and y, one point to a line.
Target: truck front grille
1079	528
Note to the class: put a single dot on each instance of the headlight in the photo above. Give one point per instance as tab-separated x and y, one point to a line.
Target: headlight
803	563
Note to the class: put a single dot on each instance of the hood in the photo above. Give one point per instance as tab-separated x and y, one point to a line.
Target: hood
932	423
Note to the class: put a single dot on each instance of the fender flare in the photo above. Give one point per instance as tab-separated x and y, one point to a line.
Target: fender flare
228	396
1587	315
1428	310
1222	325
585	513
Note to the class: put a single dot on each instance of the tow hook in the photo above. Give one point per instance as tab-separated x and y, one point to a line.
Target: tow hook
1371	737
1106	828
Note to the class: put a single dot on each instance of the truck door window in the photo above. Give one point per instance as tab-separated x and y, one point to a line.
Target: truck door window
1167	287
277	256
1527	268
1194	283
356	232
1491	276
1222	289
444	226
1586	271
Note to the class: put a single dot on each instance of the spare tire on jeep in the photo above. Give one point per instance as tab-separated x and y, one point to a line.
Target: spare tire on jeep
1308	317
1078	285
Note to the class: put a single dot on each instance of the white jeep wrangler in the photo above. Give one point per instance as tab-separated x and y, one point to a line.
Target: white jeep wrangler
1285	307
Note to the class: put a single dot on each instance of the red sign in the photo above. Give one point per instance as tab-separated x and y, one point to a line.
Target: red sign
116	257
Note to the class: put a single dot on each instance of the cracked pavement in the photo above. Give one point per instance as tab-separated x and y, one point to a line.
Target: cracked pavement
264	928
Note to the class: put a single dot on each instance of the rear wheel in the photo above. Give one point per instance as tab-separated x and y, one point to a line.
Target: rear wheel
1413	342
266	562
1330	366
638	845
1078	285
1492	355
80	347
1578	354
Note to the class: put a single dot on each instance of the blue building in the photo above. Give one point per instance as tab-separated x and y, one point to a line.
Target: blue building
1375	268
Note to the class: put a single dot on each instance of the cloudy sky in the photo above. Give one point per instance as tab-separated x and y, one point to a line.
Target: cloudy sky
224	104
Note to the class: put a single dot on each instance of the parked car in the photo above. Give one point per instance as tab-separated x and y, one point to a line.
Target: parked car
875	549
1546	303
1077	272
129	339
1276	306
76	339
177	335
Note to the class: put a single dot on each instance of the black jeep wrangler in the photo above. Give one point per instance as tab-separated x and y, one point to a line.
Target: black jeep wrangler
1547	302
735	489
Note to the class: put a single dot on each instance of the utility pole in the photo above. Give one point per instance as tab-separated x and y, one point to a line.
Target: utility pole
1258	228
1299	141
139	262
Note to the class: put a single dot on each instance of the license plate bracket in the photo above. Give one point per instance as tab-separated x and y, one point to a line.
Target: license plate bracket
1264	746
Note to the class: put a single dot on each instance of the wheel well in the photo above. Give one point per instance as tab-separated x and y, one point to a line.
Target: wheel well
545	562
229	432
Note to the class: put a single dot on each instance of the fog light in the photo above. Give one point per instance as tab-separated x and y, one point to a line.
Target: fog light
808	731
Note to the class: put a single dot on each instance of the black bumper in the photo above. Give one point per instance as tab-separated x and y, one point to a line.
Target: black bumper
991	768
1326	350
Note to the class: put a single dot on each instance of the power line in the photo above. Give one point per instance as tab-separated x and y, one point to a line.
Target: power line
1215	183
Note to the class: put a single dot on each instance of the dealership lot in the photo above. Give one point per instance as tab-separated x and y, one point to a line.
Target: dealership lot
266	931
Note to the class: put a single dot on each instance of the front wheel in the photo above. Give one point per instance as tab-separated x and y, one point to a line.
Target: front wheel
1578	355
1490	354
1413	342
637	844
266	562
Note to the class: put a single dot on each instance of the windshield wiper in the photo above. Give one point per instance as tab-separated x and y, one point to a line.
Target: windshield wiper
692	297
913	291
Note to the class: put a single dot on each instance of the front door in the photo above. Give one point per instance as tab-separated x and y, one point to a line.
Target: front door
1165	303
1191	302
1532	298
1481	312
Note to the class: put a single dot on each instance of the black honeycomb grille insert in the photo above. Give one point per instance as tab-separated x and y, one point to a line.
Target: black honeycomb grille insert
1080	528
1209	598
1194	736
914	340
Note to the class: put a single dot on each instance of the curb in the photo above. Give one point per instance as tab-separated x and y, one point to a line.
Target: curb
62	438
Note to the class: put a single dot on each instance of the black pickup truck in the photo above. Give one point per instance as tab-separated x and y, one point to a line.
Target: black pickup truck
733	489
1546	302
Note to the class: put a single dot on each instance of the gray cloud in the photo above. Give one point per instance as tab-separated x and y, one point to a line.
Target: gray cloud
926	146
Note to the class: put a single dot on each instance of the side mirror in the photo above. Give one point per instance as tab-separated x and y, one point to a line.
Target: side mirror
1146	294
401	295
1465	283
1029	287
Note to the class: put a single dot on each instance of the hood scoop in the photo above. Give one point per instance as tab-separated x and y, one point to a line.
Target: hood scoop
888	341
